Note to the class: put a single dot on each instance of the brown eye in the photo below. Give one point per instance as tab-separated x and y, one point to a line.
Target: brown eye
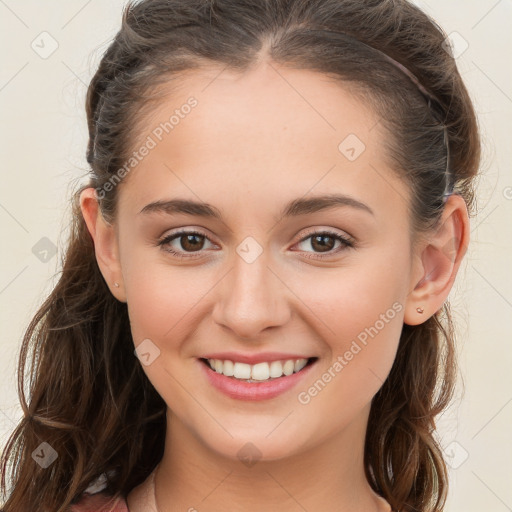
183	242
322	243
191	242
325	242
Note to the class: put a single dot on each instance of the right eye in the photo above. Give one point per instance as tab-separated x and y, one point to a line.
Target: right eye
178	244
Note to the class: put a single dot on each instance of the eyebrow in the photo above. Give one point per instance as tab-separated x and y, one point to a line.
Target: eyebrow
296	207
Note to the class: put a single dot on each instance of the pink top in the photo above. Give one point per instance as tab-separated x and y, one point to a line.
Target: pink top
100	502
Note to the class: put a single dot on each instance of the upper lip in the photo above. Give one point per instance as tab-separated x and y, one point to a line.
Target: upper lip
260	357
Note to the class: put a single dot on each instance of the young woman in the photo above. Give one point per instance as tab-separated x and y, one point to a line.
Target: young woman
252	309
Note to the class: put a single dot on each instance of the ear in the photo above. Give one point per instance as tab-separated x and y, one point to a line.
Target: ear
105	243
438	259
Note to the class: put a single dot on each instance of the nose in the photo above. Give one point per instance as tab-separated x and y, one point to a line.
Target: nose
250	299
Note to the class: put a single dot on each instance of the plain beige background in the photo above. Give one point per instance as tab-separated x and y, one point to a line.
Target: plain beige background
50	50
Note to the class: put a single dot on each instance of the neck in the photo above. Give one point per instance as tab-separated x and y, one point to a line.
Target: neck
328	476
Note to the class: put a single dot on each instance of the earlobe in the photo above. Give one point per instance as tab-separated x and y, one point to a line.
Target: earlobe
105	243
438	260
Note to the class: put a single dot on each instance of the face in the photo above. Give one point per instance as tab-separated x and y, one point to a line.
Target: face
259	281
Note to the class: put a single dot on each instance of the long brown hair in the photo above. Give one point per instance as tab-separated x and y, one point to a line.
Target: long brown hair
89	398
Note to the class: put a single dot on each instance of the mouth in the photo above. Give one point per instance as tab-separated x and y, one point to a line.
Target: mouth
255	382
259	372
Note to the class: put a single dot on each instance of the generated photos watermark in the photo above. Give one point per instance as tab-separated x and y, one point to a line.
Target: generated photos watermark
151	142
305	397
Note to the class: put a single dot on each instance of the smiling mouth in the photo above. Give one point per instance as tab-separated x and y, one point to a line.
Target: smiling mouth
260	372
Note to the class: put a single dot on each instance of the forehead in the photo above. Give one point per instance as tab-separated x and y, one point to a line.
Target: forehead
263	108
272	132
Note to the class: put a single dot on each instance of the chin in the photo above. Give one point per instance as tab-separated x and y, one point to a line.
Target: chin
251	445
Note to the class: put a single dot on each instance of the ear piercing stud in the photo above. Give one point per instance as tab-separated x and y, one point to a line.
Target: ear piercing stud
116	284
420	310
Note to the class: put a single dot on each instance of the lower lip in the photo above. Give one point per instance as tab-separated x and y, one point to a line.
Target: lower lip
253	391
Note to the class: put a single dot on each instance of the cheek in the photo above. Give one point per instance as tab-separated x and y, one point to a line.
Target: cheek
362	318
354	298
160	296
163	306
161	301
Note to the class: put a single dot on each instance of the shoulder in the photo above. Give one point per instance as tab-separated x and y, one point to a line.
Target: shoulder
100	502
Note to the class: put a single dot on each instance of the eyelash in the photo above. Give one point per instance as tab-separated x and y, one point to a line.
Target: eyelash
347	243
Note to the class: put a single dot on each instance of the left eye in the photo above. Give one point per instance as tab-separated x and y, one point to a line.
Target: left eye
324	242
193	242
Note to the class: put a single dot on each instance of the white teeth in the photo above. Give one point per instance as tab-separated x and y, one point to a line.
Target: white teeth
288	367
276	369
299	364
228	368
241	371
259	371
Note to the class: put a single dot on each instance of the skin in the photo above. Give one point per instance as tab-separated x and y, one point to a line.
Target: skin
254	142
